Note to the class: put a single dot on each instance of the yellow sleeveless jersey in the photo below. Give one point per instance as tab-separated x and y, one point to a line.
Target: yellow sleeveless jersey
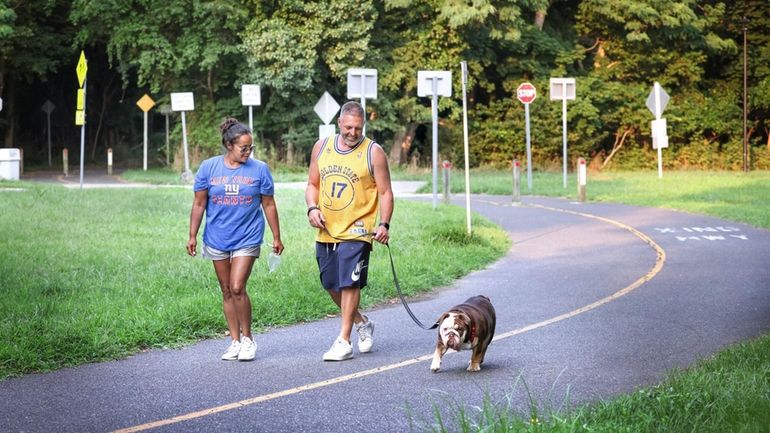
348	194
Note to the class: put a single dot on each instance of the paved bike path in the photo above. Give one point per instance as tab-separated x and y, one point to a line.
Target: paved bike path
592	300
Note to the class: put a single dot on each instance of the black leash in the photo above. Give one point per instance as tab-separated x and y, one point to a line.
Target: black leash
395	282
401	295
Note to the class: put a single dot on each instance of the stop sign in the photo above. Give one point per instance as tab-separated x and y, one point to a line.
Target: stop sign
526	93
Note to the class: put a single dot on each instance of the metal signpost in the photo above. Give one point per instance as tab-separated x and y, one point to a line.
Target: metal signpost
165	110
362	83
434	84
526	94
80	108
184	102
326	108
656	102
145	103
464	69
251	96
563	89
48	108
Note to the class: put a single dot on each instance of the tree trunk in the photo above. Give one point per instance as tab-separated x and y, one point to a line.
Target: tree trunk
106	95
402	142
9	106
540	18
767	132
618	144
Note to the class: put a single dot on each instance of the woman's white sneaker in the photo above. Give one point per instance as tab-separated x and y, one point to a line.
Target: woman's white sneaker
248	349
231	354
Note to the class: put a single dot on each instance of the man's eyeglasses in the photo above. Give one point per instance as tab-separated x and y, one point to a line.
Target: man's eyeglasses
245	149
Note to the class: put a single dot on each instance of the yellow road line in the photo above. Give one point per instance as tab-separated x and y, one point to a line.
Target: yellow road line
660	260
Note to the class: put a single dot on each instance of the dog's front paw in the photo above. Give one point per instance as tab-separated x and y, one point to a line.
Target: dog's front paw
474	366
435	366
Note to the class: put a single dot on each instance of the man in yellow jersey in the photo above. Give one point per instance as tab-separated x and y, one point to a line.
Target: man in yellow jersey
348	182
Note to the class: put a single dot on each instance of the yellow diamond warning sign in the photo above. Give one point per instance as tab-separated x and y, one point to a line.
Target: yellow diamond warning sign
82	68
145	103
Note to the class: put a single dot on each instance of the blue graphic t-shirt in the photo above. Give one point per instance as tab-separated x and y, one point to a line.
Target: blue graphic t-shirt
234	217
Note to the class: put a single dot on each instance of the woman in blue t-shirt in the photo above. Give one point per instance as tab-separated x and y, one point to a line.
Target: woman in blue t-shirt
236	193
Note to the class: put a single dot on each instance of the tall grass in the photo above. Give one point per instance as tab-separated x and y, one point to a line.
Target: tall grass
89	275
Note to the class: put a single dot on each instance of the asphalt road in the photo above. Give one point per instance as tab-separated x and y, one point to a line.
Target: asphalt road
592	300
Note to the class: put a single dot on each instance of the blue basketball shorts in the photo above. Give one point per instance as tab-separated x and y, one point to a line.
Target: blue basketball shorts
343	264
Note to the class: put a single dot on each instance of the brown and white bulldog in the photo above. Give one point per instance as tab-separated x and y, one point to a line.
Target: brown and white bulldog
470	325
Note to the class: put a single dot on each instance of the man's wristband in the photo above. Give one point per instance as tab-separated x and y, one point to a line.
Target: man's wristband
386	225
311	209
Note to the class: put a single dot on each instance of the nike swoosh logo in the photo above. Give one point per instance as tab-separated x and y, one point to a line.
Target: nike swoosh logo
356	275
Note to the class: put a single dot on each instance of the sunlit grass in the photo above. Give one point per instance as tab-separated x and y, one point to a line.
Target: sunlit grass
89	275
737	196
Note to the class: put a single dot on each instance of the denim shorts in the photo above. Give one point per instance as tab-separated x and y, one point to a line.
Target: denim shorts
215	254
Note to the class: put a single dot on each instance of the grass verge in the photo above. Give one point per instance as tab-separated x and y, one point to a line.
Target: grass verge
729	392
97	274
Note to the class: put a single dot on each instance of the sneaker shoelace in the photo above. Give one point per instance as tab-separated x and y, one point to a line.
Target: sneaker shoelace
364	331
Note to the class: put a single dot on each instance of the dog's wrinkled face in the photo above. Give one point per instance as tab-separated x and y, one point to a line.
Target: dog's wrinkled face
453	329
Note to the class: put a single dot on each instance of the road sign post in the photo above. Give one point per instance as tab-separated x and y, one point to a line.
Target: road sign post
526	93
184	102
563	89
326	108
145	103
434	84
251	96
165	110
464	70
362	84
656	102
80	110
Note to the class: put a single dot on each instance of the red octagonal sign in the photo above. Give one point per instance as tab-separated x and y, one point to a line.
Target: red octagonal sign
526	93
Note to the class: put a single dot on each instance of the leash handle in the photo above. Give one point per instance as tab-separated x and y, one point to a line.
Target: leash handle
395	282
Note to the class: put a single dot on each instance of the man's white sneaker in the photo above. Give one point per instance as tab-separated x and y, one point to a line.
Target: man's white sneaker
340	351
365	332
248	349
231	354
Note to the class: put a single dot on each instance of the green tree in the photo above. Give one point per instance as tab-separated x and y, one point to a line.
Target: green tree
172	46
298	50
33	43
633	44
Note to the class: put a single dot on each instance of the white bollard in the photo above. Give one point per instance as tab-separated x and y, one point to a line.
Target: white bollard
516	181
581	175
446	168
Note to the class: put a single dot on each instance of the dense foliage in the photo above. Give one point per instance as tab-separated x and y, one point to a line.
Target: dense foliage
295	50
